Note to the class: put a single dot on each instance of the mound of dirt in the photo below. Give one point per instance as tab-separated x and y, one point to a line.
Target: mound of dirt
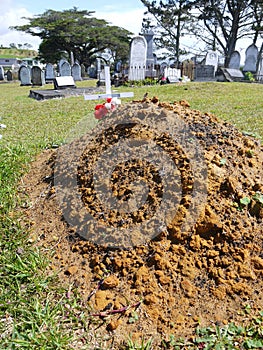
171	283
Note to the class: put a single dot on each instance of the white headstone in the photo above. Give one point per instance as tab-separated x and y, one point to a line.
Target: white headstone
137	65
172	73
211	59
234	62
251	59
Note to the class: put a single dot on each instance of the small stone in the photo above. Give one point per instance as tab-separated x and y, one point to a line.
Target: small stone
71	270
110	282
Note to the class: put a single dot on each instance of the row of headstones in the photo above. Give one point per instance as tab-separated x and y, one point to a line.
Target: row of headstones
37	76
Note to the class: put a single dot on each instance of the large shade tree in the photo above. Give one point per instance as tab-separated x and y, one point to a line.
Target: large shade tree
218	24
221	23
169	21
77	32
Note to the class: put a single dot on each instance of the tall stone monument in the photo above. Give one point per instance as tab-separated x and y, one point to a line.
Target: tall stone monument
138	54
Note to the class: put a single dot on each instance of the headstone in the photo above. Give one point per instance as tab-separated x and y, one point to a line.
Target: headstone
211	59
60	63
2	73
172	74
76	72
64	83
150	61
204	73
251	59
37	76
118	66
259	75
234	62
138	52
229	74
65	69
49	73
92	73
9	75
83	71
108	89
25	75
98	63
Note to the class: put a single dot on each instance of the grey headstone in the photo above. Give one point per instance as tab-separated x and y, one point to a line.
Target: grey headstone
150	72
204	73
76	72
9	75
83	70
251	59
2	73
63	60
49	73
25	75
65	70
37	76
234	62
137	66
92	73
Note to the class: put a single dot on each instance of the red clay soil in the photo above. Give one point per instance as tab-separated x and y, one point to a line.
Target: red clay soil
175	281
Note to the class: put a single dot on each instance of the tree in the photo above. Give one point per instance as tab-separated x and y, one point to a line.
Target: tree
221	23
77	32
169	20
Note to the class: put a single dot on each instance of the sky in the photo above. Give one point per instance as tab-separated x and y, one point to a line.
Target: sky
127	14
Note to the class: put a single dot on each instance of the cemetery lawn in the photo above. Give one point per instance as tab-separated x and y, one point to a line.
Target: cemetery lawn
36	312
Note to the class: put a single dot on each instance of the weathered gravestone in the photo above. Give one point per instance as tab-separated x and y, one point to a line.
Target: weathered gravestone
9	75
234	62
24	74
92	72
204	73
76	72
229	74
83	71
137	63
251	59
63	60
66	82
65	69
49	73
37	76
150	71
2	73
211	59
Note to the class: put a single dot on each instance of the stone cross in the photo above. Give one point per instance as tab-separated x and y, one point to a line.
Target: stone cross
108	89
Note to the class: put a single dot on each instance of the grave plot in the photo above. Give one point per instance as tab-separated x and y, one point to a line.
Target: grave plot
175	280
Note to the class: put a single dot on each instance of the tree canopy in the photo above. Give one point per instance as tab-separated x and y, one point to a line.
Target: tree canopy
63	32
219	24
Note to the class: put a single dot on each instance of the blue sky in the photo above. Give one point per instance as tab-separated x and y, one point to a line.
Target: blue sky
126	14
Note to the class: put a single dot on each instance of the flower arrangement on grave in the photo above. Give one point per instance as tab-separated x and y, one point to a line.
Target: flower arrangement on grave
101	110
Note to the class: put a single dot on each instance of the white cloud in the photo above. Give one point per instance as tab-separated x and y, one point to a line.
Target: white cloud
130	20
10	17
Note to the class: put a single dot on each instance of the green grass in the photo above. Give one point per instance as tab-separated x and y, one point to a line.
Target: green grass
17	53
35	312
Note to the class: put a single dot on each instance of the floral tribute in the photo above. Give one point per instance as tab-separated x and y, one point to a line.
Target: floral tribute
110	105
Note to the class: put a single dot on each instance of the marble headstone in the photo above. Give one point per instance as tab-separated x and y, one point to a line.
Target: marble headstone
76	72
137	63
211	59
65	69
234	62
24	75
251	59
49	73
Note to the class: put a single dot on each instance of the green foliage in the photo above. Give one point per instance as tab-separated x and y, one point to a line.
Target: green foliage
78	32
249	76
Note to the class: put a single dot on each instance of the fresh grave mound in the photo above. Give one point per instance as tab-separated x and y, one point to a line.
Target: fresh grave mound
175	279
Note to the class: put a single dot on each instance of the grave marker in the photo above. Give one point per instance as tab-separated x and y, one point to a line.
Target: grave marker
24	76
234	62
108	89
49	73
251	59
37	76
2	73
137	65
65	70
76	72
